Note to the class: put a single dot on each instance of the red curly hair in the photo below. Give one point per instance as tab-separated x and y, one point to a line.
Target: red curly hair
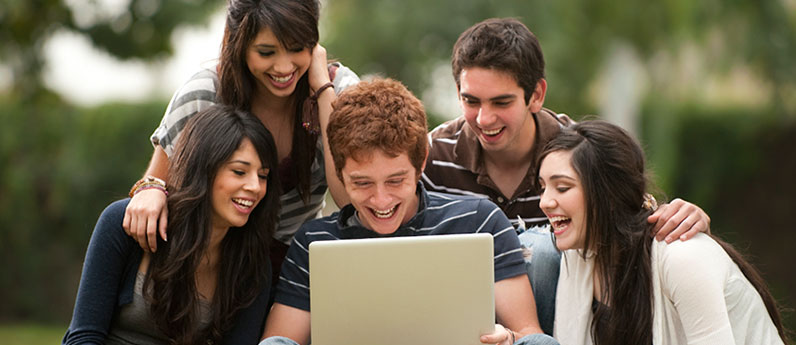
381	114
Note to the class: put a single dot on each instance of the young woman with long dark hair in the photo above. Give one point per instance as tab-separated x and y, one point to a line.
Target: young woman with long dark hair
618	286
210	282
272	66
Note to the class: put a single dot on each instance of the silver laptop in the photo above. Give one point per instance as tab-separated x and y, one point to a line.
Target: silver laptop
405	290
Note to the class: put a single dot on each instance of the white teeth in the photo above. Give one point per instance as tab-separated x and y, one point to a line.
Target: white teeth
284	79
243	202
491	132
385	213
556	222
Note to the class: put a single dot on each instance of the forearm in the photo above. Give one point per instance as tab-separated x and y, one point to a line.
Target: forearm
158	164
515	307
335	185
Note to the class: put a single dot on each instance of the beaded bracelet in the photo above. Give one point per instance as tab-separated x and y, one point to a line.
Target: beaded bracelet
148	182
309	117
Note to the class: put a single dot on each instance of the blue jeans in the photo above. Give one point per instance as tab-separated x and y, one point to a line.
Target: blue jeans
542	261
278	341
536	339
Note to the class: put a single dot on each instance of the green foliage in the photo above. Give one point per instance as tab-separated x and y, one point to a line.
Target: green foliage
141	30
405	40
31	334
737	165
61	166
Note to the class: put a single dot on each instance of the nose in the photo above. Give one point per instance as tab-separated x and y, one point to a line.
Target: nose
283	63
547	201
254	185
381	197
485	117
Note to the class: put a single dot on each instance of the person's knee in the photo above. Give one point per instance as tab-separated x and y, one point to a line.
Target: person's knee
278	341
541	255
537	339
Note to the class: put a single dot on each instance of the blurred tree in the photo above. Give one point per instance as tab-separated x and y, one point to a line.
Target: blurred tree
406	39
141	29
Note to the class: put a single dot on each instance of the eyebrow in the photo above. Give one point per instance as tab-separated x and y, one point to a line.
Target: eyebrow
263	45
496	98
560	176
397	174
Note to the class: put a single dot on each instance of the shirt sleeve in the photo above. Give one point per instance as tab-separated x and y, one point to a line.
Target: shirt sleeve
102	279
508	253
694	276
293	288
196	94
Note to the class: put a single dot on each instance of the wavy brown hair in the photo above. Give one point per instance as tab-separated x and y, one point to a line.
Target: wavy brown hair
381	114
208	141
611	167
295	24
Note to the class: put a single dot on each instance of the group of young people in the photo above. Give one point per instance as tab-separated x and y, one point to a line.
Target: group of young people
212	245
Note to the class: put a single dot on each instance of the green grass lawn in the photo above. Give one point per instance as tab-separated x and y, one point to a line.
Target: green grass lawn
31	334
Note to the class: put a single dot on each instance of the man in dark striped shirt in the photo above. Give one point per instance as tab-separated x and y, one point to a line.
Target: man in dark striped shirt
491	150
377	137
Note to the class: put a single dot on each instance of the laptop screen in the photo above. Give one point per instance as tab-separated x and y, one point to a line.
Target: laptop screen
405	290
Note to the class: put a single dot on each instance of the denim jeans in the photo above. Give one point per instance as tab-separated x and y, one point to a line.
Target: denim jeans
536	339
542	261
278	341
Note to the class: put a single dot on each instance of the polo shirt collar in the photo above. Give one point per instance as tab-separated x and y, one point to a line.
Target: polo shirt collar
468	152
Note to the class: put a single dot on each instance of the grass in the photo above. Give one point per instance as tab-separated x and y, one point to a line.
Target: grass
31	334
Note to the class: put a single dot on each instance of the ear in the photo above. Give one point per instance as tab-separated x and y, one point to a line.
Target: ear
423	166
425	159
537	98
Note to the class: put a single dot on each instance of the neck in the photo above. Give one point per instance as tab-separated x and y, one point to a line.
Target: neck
211	255
263	101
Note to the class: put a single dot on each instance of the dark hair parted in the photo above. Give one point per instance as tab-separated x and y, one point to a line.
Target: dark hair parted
611	167
381	114
206	144
502	44
295	24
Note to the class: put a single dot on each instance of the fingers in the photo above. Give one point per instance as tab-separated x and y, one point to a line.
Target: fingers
151	233
499	336
319	71
126	221
164	215
678	220
144	211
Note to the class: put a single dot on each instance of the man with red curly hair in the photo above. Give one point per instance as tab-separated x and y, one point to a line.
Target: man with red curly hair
377	135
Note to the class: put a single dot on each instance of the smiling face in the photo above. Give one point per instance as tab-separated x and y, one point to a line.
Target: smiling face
563	200
494	107
276	69
239	186
382	189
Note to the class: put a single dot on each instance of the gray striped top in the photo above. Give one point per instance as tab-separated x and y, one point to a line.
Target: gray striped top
199	93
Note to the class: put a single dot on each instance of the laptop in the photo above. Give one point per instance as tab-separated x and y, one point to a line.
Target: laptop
405	290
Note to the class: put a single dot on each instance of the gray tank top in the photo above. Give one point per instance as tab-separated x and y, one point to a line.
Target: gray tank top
133	324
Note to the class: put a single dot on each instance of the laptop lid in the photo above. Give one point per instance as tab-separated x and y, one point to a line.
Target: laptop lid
405	290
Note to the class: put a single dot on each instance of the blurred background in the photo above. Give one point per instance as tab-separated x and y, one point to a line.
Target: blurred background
708	86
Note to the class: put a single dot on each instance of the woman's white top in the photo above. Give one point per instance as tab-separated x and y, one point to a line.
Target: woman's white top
700	296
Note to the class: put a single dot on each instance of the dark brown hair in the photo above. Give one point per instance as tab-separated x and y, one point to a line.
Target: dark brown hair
381	114
295	24
502	44
208	141
610	164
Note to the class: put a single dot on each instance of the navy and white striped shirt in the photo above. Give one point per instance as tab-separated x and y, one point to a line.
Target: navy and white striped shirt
438	214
